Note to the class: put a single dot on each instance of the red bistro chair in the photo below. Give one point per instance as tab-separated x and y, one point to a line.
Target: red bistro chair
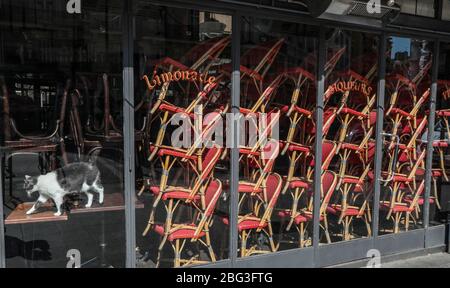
298	185
260	221
198	230
303	217
187	194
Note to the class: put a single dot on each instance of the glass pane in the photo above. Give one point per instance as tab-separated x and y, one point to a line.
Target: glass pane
349	132
446	10
61	135
278	92
408	80
421	8
439	200
183	93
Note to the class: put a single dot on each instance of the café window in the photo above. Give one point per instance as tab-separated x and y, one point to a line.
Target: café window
408	91
61	134
439	177
183	69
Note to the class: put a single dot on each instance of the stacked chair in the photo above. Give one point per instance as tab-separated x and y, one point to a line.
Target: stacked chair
440	145
404	167
183	206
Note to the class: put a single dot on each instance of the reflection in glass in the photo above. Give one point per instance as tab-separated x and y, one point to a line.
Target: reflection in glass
61	135
408	80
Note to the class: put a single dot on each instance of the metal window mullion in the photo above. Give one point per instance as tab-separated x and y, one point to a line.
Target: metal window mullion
318	143
2	224
128	133
430	136
378	135
235	103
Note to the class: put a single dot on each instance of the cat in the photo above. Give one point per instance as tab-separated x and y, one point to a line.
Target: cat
73	178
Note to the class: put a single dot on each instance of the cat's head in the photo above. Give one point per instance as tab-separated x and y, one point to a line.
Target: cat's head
30	184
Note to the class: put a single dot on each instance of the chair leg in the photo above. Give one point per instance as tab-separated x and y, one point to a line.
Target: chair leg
436	198
243	243
407	221
152	215
327	233
269	232
160	248
209	246
301	232
369	229
177	262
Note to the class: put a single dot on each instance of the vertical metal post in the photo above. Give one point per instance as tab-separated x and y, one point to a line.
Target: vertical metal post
128	134
430	136
235	103
318	143
378	134
2	223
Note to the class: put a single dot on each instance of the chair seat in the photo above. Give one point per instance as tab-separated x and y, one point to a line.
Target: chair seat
398	207
182	233
297	109
337	209
247	224
397	177
400	112
173	109
443	113
350	146
175	153
302	217
298	183
350	180
299	147
436	173
420	201
180	194
440	144
248	151
353	112
31	145
174	193
248	187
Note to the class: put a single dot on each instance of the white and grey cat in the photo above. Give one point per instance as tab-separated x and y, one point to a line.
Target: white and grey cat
71	179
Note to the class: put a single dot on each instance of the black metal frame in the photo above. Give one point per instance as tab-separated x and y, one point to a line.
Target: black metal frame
317	255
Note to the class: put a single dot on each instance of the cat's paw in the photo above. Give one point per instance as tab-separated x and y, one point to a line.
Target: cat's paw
29	212
88	205
57	214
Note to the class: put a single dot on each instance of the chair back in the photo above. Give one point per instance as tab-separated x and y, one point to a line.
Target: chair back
210	160
212	194
329	183
261	57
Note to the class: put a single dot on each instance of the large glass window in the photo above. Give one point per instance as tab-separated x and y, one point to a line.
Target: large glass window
61	133
439	201
278	92
350	97
408	81
182	69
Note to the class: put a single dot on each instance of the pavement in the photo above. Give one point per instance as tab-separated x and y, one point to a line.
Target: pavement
438	260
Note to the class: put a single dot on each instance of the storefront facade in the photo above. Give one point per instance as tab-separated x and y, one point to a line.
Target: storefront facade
147	133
